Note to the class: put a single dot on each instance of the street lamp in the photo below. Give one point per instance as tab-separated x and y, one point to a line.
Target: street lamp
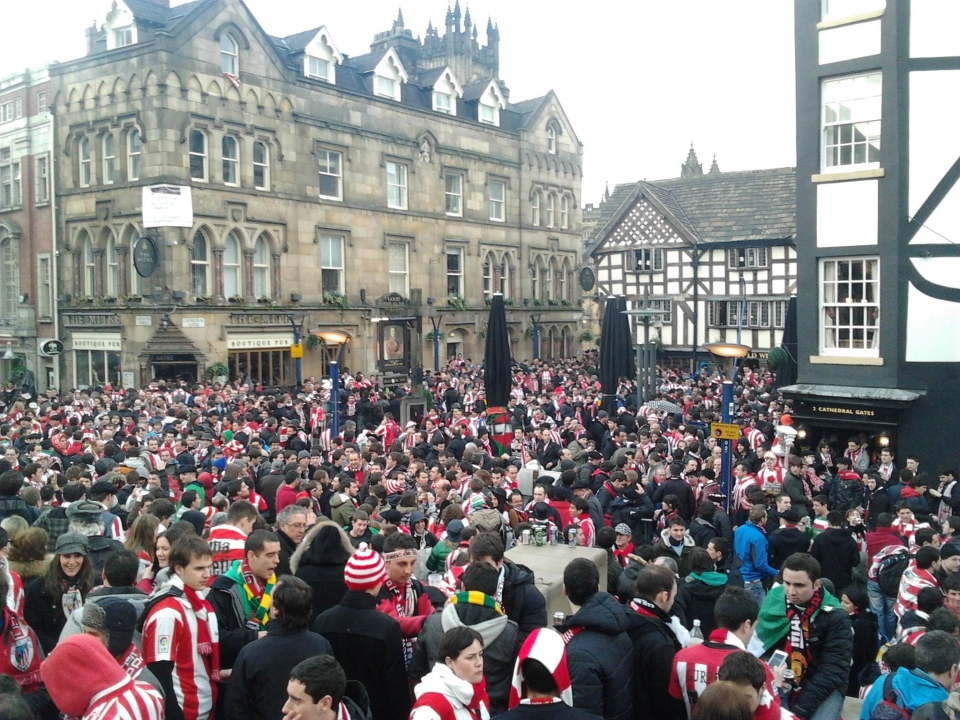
646	352
297	338
335	339
733	352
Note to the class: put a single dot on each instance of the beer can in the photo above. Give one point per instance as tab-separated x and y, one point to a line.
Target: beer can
525	537
572	535
558	619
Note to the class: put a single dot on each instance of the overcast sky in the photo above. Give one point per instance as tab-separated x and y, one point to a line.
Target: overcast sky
639	79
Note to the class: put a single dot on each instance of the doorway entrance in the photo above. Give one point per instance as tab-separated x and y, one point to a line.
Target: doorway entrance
174	367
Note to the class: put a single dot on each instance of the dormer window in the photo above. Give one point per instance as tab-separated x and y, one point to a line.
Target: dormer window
446	90
388	76
387	87
491	103
119	28
123	37
442	102
229	55
318	68
321	58
489	115
551	140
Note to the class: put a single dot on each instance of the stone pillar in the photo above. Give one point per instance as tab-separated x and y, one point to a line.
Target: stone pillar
123	271
217	270
275	279
98	273
250	295
78	288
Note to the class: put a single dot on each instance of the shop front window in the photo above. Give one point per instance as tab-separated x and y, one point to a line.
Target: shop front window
267	368
94	368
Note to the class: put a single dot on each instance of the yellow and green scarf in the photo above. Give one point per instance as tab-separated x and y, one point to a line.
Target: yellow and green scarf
475	597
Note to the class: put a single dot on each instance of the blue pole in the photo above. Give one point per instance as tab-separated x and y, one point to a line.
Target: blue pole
536	340
726	407
334	399
298	361
436	350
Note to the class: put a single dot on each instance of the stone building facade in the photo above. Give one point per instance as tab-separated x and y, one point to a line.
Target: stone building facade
28	315
380	195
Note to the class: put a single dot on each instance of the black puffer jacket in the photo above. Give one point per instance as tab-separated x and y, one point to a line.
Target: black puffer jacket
319	561
836	551
696	596
654	646
783	543
831	647
600	659
368	646
522	601
633	509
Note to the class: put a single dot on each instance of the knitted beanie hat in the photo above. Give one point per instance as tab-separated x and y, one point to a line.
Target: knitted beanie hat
364	570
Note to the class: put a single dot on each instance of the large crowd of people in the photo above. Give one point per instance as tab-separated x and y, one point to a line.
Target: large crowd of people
206	552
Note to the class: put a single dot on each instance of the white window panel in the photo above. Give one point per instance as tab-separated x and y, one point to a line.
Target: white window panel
396	186
398	267
850	121
331	264
454	272
498	194
231	160
850	306
453	194
331	174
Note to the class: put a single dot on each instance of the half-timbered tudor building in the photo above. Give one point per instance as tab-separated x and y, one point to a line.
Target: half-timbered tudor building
691	247
878	225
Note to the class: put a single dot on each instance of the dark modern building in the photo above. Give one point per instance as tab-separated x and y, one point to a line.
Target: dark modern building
878	224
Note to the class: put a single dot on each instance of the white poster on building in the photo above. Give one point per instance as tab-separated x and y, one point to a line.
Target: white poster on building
167	206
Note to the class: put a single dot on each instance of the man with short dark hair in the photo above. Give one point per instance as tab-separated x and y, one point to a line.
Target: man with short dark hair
676	543
804	620
787	539
517	593
316	690
180	634
696	666
837	552
10	501
599	652
937	656
242	596
257	686
654	643
750	544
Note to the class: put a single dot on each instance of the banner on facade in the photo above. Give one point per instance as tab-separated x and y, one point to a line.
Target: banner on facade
167	206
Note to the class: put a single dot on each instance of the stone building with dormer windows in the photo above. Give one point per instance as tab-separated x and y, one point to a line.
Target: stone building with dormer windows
387	194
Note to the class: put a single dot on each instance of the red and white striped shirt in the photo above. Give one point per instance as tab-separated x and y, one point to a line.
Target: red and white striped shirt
755	438
696	666
770	479
912	582
227	543
127	700
170	635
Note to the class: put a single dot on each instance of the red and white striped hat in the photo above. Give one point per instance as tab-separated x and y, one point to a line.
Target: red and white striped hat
547	646
364	570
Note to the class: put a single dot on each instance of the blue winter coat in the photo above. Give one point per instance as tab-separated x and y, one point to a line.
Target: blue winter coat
913	688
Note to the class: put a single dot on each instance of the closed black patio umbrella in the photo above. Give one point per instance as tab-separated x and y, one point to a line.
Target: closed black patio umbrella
787	368
610	352
628	365
498	376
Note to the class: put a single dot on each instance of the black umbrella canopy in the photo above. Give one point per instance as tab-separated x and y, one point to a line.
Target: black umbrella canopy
497	378
628	365
609	352
787	372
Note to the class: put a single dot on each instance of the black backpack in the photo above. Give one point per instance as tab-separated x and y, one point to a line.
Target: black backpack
890	570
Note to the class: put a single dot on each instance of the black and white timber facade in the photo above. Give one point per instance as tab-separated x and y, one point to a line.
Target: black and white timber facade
692	246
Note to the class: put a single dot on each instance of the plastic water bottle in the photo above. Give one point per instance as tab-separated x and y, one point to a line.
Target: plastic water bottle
696	635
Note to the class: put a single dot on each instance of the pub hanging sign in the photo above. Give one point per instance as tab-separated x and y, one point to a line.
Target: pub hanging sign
145	256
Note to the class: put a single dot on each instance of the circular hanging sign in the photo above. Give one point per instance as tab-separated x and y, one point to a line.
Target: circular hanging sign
587	278
51	348
145	256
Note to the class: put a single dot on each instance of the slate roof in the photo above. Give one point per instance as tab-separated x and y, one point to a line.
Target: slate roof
748	206
155	13
353	73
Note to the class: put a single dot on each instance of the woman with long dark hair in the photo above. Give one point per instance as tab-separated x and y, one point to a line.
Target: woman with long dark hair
52	598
